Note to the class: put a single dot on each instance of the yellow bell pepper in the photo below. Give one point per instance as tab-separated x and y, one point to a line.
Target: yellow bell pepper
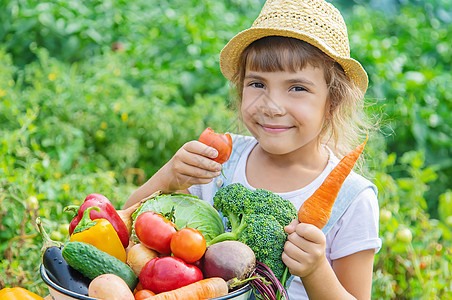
18	293
99	233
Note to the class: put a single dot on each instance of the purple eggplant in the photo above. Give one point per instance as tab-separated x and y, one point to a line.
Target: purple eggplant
56	267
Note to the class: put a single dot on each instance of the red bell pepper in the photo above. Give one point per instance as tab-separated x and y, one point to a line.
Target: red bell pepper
107	211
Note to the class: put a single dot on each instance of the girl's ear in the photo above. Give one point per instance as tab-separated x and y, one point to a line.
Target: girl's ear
328	110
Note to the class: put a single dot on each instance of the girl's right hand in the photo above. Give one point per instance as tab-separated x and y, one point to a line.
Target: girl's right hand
304	250
192	164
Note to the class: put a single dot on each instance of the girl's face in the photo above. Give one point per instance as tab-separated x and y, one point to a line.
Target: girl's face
284	110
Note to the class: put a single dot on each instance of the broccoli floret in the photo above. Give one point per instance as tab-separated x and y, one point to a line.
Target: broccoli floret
257	218
268	203
231	201
266	237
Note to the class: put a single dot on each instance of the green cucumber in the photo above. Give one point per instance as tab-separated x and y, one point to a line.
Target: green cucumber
93	262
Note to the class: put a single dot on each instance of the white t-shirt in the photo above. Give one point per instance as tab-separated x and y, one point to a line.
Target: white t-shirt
349	235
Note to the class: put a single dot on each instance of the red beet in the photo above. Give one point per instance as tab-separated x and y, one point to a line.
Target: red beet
229	259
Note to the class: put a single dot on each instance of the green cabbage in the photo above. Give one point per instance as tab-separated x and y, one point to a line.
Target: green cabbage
189	211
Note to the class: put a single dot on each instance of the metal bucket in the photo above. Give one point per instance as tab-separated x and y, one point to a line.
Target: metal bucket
59	293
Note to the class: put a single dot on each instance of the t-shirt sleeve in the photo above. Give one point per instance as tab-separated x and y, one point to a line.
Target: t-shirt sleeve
357	229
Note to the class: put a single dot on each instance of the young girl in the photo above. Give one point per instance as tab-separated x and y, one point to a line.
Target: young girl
300	96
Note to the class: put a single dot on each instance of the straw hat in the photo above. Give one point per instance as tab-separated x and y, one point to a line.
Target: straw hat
314	21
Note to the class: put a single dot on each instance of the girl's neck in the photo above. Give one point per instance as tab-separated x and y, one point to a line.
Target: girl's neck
287	172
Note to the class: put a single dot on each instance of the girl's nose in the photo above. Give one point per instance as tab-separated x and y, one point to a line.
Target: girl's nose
270	106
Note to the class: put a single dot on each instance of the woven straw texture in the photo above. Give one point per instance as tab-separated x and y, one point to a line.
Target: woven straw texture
314	21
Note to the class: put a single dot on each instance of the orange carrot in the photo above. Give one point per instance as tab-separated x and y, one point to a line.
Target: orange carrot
203	289
316	210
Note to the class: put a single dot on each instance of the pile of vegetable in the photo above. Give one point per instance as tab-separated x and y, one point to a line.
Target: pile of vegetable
174	246
166	257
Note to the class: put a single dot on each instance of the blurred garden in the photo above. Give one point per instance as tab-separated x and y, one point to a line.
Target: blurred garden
95	96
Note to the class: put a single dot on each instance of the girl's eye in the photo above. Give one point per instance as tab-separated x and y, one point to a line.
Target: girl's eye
298	89
257	85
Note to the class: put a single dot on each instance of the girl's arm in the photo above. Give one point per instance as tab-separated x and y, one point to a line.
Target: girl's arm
355	273
192	164
304	254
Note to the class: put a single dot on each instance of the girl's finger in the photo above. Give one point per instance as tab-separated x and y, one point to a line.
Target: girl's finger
310	233
288	261
190	154
201	173
291	227
293	259
194	167
199	148
302	245
201	162
293	250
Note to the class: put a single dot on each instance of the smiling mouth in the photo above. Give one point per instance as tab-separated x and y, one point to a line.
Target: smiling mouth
275	128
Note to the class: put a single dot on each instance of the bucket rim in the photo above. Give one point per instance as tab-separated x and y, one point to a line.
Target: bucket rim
60	289
66	292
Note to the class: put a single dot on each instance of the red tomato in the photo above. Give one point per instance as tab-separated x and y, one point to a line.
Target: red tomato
188	244
155	231
144	294
168	273
222	142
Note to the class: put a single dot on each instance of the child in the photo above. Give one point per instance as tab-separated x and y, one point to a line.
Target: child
300	96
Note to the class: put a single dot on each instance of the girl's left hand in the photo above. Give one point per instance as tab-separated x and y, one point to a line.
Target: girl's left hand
304	250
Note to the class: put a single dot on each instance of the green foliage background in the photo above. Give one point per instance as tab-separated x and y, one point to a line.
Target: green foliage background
95	96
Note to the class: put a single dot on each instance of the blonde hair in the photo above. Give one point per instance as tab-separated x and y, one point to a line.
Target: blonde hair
346	124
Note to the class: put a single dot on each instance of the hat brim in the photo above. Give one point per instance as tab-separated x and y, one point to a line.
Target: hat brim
230	55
